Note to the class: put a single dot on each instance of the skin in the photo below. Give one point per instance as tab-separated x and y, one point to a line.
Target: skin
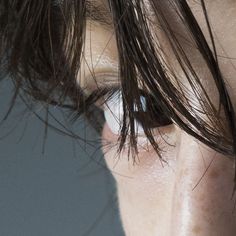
190	193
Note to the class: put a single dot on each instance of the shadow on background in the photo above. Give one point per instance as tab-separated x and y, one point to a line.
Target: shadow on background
67	191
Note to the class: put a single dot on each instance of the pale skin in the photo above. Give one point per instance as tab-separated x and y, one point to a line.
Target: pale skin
191	193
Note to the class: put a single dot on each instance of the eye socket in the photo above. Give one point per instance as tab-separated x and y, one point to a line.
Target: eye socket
152	115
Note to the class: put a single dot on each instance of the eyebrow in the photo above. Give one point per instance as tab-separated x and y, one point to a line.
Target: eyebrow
98	12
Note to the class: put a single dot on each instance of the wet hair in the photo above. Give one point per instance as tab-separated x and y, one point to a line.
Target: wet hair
41	49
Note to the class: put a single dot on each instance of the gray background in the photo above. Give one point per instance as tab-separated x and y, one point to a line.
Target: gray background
65	191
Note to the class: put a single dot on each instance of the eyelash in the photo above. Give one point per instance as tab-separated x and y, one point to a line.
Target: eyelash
150	116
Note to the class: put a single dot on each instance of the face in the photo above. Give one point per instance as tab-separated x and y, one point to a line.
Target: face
191	192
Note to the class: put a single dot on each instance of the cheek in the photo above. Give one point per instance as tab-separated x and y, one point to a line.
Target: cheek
143	184
192	189
146	165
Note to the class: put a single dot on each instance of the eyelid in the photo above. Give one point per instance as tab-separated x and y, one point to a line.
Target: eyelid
107	90
102	80
107	78
97	93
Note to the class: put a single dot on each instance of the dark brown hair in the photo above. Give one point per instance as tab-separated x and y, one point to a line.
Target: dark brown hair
41	45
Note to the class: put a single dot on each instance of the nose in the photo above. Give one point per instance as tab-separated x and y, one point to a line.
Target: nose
202	202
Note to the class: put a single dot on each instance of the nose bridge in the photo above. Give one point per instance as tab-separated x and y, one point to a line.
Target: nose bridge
201	202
